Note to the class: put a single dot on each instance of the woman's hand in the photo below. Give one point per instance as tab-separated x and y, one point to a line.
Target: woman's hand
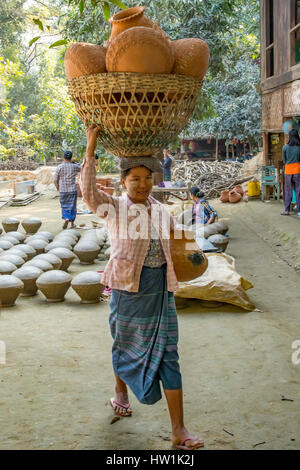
92	133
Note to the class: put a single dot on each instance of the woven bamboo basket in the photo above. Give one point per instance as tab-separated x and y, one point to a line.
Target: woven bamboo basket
138	114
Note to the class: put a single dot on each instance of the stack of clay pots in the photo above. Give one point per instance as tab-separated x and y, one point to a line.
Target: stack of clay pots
138	45
235	195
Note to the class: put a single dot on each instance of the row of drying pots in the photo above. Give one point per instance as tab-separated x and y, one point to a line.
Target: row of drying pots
53	284
30	225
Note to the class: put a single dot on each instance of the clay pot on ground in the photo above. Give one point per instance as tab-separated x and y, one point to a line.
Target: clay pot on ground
234	197
225	196
29	250
219	241
40	263
54	260
10	288
88	286
18	235
31	225
6	267
83	58
47	235
36	236
73	231
14	259
222	227
5	244
239	189
130	18
11	239
67	239
54	285
140	50
86	252
38	244
65	255
58	244
28	275
15	251
10	224
189	261
191	57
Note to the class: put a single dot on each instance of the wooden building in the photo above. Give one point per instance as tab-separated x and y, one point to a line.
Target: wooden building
280	73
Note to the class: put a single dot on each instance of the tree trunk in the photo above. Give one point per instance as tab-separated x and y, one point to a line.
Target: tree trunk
217	148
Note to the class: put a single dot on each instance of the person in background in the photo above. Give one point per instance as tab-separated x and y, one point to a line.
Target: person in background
203	213
167	165
65	183
291	161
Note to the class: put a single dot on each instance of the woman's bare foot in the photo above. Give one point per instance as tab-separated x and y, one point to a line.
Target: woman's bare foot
120	404
183	440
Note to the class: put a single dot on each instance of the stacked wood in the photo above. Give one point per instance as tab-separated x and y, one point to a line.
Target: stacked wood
211	177
18	164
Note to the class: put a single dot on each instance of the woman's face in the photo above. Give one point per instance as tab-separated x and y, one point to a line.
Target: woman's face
138	184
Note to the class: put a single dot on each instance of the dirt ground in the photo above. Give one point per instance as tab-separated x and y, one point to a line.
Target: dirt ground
241	389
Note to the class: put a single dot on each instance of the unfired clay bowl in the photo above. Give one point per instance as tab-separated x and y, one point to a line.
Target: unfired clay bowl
10	239
65	240
18	235
15	251
28	275
54	285
31	225
5	244
88	286
58	244
6	267
86	251
47	235
40	263
52	259
14	259
10	288
65	255
29	250
219	241
10	224
39	245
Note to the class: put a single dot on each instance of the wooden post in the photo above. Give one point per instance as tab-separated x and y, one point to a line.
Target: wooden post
227	150
217	147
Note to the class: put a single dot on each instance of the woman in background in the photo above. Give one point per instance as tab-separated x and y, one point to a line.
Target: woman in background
203	213
291	161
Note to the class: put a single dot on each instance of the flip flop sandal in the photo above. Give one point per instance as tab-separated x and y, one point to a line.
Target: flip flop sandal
285	213
115	403
65	224
182	445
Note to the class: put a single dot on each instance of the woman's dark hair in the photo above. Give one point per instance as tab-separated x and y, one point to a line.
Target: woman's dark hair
125	173
195	191
294	139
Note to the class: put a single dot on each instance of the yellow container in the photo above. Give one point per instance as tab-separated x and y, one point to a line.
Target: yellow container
253	188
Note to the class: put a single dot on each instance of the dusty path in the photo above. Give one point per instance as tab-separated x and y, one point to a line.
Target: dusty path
236	365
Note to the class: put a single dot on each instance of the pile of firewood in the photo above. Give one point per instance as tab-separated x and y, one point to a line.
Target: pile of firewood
18	164
211	177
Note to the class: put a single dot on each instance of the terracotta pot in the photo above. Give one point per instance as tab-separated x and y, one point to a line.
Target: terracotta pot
31	225
15	251
83	58
14	259
189	261
191	57
54	285
18	235
5	244
219	241
88	286
38	244
239	189
234	197
12	240
6	267
10	288
58	244
65	255
10	224
129	18
29	250
40	263
54	260
86	251
28	275
140	50
225	196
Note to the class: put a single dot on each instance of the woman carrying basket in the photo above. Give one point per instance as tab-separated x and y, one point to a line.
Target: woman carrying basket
140	271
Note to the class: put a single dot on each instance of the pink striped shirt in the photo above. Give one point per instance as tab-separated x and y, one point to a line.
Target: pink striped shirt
129	246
